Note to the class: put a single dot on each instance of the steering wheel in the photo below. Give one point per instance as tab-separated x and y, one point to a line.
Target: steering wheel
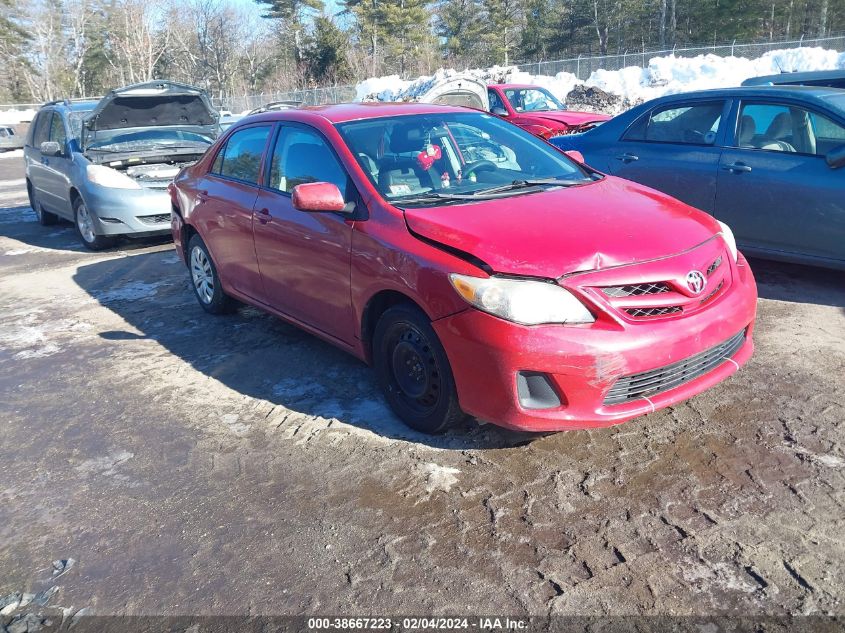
484	165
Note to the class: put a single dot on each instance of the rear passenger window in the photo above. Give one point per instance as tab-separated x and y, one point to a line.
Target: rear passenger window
690	124
302	156
787	128
241	157
42	129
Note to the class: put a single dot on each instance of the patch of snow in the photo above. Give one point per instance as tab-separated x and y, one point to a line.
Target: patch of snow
23	251
132	291
41	352
230	420
14	117
663	75
438	477
105	465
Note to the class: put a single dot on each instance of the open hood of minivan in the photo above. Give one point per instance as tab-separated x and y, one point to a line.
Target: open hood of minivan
595	226
154	103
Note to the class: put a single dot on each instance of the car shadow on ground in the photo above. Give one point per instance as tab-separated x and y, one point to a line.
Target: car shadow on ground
799	284
256	354
19	223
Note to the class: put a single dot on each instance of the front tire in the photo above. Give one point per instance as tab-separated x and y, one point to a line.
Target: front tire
205	280
84	223
44	218
414	372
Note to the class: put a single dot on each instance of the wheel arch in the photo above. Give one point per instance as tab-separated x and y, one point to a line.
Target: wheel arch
375	307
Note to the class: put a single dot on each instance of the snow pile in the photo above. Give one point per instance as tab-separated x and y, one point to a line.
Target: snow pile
664	75
14	117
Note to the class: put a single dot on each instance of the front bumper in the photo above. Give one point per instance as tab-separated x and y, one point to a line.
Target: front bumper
583	362
138	212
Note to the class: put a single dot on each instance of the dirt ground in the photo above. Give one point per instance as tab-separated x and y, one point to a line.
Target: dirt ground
182	463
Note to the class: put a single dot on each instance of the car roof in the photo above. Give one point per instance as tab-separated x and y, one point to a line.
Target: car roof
72	106
515	86
800	76
758	91
343	112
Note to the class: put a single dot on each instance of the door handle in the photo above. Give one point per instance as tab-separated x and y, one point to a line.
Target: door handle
737	168
45	161
628	158
202	196
264	215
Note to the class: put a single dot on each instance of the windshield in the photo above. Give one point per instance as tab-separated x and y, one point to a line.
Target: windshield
159	138
533	100
452	154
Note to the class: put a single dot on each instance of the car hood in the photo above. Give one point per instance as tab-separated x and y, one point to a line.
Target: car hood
595	226
152	104
568	117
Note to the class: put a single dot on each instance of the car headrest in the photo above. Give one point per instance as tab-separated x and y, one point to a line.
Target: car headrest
407	138
747	130
780	126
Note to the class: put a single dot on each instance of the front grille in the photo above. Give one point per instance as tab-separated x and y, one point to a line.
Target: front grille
637	290
714	266
155	219
665	378
644	313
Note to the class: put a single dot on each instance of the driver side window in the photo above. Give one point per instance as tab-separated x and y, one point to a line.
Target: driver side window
302	156
495	101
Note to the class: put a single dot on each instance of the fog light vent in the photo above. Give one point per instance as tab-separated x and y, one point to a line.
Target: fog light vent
535	391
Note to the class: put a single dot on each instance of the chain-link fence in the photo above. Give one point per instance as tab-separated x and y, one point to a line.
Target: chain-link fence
583	66
315	96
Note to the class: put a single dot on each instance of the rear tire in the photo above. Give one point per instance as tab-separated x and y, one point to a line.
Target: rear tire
44	218
205	281
84	223
414	372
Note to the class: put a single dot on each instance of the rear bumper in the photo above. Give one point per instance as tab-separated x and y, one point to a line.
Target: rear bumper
582	363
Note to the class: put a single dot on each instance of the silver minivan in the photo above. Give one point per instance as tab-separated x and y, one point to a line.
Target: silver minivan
105	165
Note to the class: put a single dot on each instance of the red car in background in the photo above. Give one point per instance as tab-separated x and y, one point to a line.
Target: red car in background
536	110
480	270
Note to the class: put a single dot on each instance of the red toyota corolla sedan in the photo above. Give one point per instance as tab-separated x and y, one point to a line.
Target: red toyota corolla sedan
478	269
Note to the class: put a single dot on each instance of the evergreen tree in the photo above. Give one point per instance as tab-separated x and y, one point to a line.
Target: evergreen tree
326	60
459	24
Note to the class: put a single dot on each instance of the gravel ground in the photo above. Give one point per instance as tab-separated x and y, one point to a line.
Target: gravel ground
190	464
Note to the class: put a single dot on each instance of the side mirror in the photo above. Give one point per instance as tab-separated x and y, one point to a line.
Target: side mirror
575	155
499	111
318	197
836	157
50	148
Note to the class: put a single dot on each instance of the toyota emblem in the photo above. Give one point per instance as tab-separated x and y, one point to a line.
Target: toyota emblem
696	281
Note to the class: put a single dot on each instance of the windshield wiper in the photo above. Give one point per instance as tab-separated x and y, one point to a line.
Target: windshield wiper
433	196
524	184
198	145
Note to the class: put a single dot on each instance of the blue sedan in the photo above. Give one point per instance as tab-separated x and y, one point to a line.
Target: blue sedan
765	160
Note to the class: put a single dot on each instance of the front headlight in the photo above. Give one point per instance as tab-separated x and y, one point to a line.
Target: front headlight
521	300
108	177
729	238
